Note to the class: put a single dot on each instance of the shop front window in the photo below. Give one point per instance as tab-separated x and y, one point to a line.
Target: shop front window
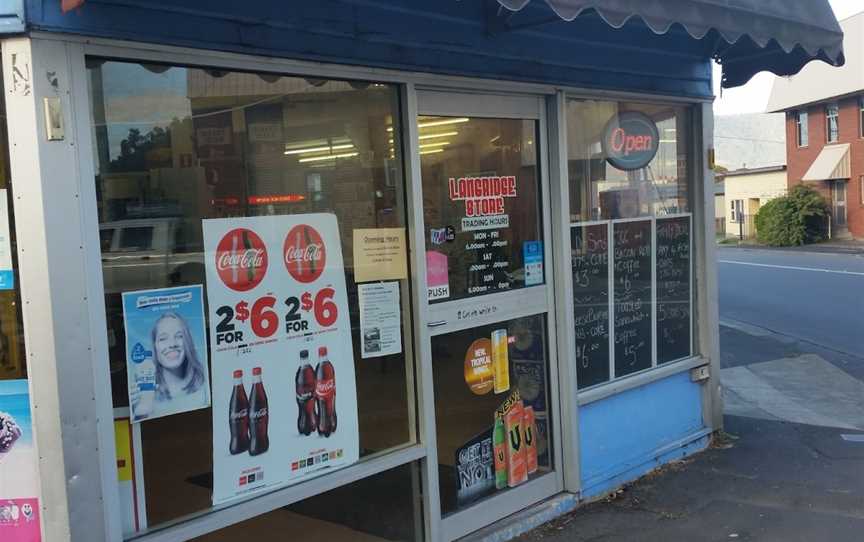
630	191
257	208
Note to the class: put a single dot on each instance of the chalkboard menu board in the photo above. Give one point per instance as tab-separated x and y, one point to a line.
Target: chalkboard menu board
590	259
632	296
673	288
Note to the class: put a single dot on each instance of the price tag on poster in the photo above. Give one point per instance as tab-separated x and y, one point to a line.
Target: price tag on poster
19	484
284	394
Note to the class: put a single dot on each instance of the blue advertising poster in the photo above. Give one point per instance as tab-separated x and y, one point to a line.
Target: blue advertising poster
19	483
532	254
166	352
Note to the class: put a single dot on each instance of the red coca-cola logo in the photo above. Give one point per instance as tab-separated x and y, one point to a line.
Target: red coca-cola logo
304	252
241	259
325	388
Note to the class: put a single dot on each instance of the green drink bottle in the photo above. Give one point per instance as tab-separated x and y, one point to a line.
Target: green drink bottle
499	443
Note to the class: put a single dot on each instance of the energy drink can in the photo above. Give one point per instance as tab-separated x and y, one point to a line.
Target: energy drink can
517	468
500	361
529	430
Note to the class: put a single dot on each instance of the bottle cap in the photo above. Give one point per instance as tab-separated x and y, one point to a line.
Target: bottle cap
256	371
322	351
238	374
304	354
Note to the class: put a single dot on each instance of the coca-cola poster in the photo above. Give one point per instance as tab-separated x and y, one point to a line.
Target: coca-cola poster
284	394
166	352
19	483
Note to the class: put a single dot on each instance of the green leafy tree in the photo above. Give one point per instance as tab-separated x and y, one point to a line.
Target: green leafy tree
798	218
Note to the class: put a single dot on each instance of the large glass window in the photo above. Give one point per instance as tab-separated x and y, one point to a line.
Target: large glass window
178	145
380	508
479	415
12	358
481	205
630	192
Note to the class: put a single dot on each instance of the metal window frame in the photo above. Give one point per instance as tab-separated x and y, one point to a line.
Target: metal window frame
528	301
61	261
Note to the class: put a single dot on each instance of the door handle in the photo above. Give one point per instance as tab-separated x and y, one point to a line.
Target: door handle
437	323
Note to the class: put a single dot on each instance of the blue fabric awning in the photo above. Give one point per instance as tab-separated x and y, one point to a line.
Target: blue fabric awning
750	36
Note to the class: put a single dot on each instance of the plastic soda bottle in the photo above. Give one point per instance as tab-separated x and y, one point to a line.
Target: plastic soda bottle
500	361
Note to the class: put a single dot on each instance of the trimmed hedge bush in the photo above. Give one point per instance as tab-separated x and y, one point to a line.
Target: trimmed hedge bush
798	218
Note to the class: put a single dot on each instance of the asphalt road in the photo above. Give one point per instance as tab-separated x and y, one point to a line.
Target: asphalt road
818	298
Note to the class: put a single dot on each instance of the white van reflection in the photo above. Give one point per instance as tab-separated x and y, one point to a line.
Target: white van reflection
144	253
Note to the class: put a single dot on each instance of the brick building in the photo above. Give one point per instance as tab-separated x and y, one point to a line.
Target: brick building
824	110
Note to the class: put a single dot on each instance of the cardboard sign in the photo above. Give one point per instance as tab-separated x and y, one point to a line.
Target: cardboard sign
379	254
284	392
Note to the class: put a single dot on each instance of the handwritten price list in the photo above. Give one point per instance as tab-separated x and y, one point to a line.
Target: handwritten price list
590	261
632	301
673	289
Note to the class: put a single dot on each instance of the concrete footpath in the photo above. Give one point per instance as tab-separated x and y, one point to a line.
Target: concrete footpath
789	468
766	481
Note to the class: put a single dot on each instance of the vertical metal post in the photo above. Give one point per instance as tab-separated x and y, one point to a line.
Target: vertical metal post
705	250
61	289
559	189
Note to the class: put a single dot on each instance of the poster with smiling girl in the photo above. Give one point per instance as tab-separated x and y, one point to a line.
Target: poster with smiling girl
166	352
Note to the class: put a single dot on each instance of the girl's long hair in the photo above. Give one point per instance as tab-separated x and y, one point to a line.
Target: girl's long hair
190	360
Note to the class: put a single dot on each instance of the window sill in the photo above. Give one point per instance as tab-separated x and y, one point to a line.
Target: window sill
614	387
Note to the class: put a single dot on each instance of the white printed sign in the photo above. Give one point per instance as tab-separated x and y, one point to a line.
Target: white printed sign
284	393
380	319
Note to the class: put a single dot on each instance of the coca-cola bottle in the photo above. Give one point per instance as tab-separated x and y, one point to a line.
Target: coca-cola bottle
304	381
238	416
325	394
259	416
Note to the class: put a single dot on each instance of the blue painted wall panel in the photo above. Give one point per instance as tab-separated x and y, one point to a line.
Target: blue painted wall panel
627	435
448	36
11	16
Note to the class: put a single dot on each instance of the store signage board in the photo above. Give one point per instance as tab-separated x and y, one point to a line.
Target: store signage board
379	254
630	140
7	274
590	267
284	392
165	335
19	483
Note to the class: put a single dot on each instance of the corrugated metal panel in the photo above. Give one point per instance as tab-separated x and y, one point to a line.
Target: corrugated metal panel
448	36
11	16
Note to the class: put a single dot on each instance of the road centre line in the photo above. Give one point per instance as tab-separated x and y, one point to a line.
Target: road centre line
794	268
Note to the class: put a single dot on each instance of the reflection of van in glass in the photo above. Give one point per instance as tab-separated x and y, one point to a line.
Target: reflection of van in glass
143	253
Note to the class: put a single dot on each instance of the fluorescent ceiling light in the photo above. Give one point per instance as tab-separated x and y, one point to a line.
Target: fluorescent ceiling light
433	123
442	134
436	144
328	157
432	151
328	148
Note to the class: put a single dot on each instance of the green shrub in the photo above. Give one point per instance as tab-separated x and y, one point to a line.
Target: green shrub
798	218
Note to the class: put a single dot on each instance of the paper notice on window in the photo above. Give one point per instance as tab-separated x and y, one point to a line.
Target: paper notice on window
380	319
379	254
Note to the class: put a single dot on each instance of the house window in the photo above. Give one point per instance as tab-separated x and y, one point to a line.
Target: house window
801	128
861	116
861	188
832	118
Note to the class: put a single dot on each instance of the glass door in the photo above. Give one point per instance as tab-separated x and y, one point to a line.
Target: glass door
488	287
838	197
